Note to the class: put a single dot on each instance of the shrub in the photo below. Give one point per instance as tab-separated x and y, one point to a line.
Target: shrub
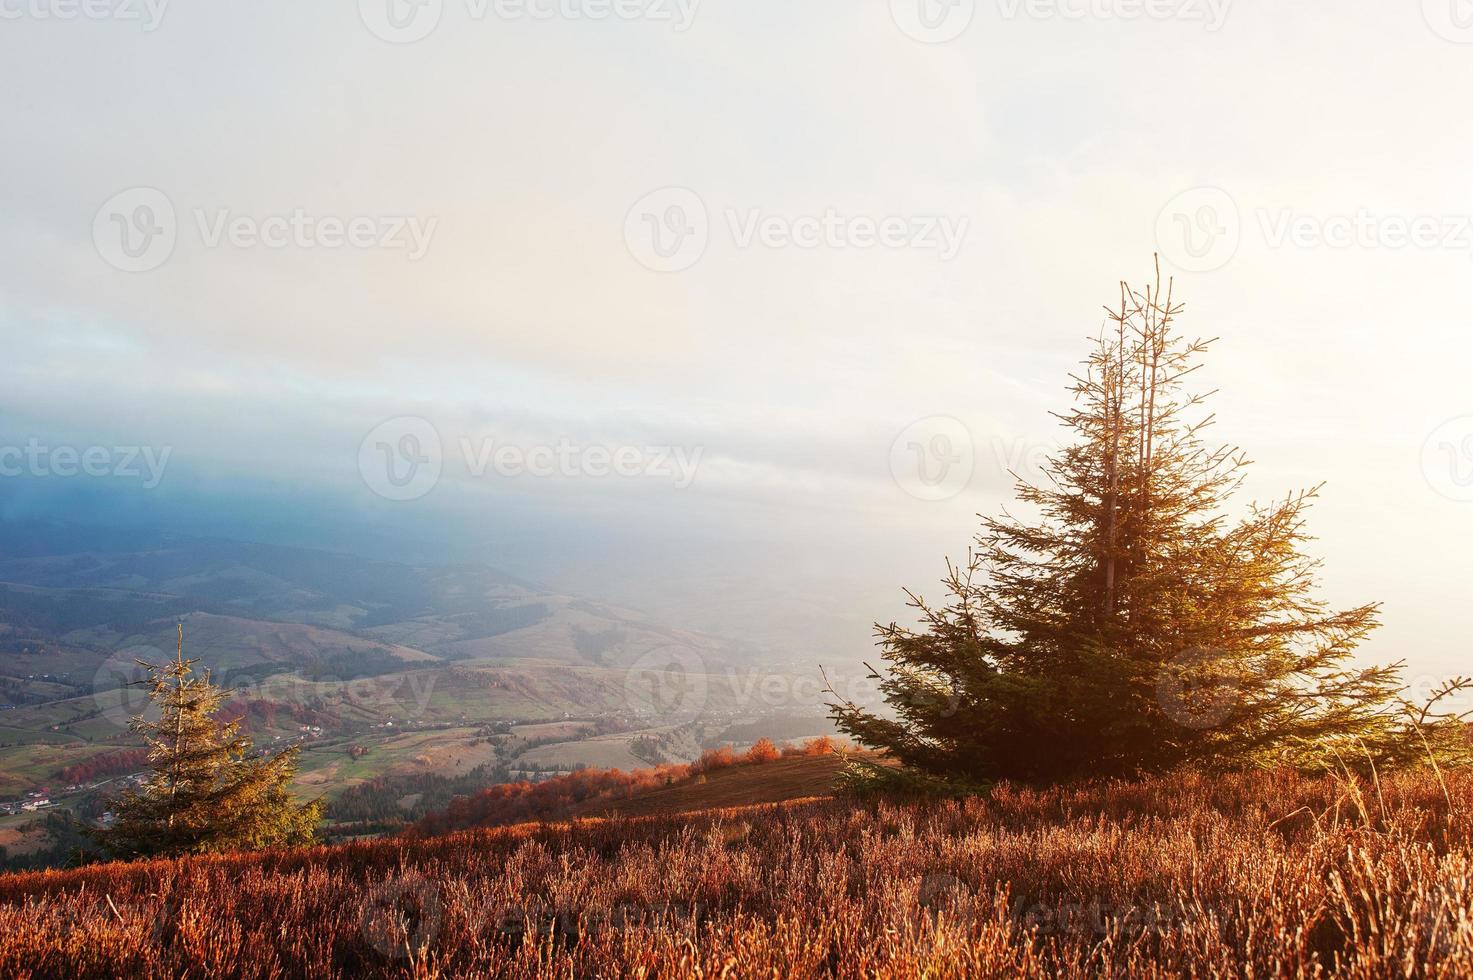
763	751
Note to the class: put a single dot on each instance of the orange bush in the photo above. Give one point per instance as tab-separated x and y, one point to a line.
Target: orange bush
763	751
714	759
822	745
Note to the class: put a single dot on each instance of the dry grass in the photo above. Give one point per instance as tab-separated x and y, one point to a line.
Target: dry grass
656	789
800	777
1185	876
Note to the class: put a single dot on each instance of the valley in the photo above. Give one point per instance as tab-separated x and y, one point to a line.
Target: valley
405	683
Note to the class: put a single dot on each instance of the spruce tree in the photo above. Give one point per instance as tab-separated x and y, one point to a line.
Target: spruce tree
1126	624
204	792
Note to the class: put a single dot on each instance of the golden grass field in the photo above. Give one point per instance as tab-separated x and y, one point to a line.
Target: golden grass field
1268	875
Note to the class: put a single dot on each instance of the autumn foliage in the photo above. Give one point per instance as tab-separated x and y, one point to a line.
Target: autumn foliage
1265	874
555	798
763	751
104	766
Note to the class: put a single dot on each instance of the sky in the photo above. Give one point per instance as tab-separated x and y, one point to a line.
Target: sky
736	311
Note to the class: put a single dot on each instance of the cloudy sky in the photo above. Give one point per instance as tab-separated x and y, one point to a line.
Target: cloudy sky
733	310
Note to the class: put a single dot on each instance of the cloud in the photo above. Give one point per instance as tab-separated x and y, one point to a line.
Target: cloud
530	317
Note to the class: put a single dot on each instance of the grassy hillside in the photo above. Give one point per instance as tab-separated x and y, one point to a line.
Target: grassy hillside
803	777
1266	875
719	778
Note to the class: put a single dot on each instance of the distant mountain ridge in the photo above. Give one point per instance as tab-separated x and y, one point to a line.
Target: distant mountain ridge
338	650
78	591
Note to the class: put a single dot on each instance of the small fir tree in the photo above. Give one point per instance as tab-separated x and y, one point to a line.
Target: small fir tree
1129	626
204	792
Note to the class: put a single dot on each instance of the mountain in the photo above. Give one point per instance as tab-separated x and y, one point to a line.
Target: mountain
376	668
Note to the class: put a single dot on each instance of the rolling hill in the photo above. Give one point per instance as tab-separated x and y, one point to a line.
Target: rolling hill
375	669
